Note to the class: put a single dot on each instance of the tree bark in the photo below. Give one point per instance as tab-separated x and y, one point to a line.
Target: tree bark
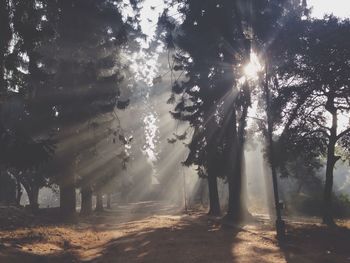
33	195
99	202
331	160
109	197
67	196
86	200
214	204
237	209
327	213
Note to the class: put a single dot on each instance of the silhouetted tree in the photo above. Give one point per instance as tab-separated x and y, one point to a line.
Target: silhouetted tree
21	149
63	69
7	189
212	44
209	48
85	63
313	91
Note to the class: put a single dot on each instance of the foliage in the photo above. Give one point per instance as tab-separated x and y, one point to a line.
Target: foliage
311	89
61	66
306	81
204	51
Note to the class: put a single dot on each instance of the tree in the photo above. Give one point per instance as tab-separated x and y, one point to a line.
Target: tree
86	70
314	90
22	157
7	189
210	46
21	149
62	69
214	42
6	35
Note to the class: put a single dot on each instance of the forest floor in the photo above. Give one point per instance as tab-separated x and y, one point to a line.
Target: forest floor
153	232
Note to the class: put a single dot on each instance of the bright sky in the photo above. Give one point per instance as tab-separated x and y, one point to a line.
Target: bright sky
151	9
339	8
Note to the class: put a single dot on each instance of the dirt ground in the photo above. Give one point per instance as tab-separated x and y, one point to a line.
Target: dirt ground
152	232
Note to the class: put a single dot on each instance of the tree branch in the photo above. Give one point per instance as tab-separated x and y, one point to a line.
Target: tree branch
342	133
317	130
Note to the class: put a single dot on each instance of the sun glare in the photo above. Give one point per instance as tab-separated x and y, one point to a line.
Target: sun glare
253	68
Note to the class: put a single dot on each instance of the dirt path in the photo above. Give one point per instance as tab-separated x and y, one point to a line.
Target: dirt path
150	232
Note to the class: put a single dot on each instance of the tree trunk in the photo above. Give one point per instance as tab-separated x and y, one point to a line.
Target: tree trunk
237	209
67	196
244	191
109	197
328	189
300	186
269	190
202	193
331	160
214	204
280	224
86	200
19	192
99	202
327	213
33	195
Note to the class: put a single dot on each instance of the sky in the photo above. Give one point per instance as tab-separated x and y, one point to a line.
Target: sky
151	9
339	8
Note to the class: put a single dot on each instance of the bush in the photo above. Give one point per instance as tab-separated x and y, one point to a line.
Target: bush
308	205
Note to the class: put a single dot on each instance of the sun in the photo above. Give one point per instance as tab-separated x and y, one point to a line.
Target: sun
252	69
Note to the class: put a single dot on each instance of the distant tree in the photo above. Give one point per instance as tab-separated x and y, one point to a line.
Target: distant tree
22	157
32	181
98	179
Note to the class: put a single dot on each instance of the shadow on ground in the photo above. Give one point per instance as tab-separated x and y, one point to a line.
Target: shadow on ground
152	232
187	241
309	243
192	239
